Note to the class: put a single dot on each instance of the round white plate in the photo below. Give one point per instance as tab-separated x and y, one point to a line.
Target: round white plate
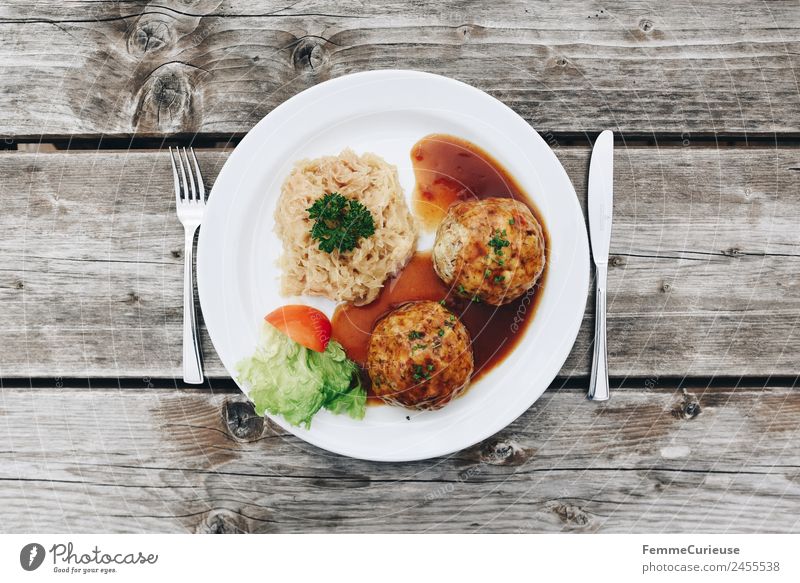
386	112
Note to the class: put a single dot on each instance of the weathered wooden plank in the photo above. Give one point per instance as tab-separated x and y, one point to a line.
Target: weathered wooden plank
704	275
156	68
714	460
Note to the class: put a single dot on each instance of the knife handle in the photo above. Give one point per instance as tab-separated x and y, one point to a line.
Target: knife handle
598	384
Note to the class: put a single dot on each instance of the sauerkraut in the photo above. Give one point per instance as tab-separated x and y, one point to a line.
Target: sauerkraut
358	275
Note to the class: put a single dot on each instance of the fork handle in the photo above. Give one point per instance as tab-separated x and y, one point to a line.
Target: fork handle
192	366
598	384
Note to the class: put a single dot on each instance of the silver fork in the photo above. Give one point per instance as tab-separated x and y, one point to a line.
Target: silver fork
190	202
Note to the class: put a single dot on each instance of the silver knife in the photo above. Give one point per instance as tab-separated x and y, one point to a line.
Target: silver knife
601	209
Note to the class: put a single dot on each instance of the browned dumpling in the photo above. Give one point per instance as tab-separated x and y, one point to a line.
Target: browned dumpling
420	356
490	250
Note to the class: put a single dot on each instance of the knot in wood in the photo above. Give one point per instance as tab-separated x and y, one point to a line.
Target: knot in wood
688	408
646	25
616	261
691	410
570	514
309	54
504	453
166	101
222	522
149	35
465	31
732	252
561	62
169	90
242	421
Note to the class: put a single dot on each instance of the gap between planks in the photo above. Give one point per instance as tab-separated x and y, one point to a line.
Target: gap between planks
223	142
578	384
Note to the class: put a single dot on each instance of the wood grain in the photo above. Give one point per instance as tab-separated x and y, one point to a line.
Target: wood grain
111	460
91	68
703	277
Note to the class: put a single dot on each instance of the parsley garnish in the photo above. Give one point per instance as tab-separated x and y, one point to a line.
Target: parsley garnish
415	335
420	373
498	241
339	222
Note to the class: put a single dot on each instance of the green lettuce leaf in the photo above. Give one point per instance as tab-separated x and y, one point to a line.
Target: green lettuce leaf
284	378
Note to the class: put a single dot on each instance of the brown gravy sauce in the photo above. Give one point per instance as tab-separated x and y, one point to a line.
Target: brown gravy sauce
448	169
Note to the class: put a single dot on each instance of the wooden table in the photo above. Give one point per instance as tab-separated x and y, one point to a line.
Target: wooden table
701	433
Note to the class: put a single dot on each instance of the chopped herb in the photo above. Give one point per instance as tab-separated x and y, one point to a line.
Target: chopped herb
419	372
451	318
418	347
499	278
487	273
476	299
415	335
430	367
498	241
339	222
511	221
441	302
441	332
461	290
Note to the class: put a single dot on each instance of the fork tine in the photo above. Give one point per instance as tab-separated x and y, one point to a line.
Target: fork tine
175	177
184	182
201	187
191	176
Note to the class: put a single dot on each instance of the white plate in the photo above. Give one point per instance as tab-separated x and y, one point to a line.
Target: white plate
386	112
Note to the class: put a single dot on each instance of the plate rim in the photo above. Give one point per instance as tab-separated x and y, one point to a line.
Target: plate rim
582	249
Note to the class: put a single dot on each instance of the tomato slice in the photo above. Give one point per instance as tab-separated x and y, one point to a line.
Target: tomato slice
305	325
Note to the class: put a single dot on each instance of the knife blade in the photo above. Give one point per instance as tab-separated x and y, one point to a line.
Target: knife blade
601	195
601	210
